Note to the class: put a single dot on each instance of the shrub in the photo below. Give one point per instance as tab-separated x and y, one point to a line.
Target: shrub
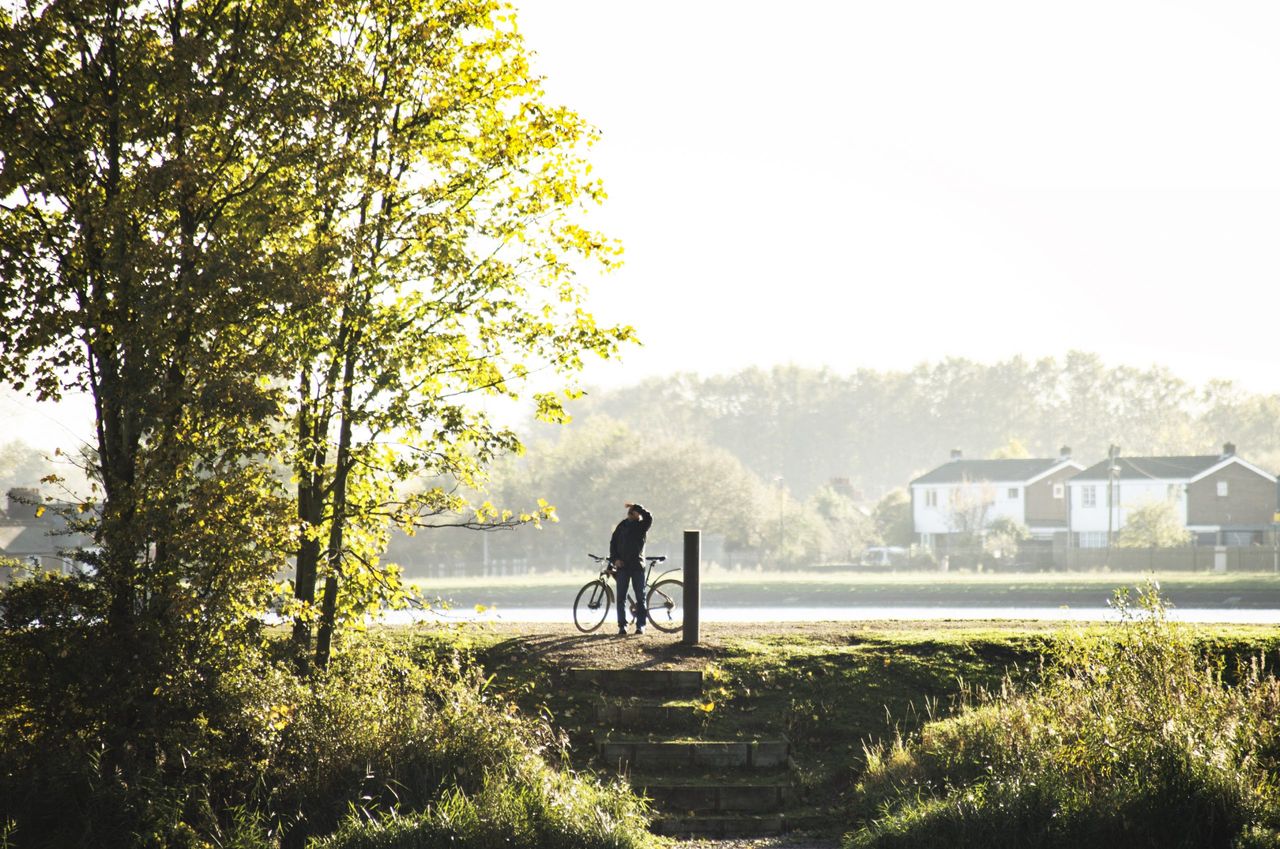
1131	739
373	744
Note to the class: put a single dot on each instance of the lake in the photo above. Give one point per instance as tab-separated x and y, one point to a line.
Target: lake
1235	616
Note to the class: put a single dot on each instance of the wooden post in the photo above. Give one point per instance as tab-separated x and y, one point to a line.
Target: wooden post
692	585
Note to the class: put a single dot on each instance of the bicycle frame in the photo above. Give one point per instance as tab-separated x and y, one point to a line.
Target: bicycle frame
596	598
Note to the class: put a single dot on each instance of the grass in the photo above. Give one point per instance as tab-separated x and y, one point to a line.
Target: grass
832	694
1141	733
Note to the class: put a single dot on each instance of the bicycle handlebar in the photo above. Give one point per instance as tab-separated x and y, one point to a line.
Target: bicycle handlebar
596	557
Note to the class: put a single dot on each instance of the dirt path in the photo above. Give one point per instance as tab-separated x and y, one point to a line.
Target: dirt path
783	842
564	645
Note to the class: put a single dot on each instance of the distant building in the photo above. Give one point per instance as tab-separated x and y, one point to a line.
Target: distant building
1221	498
37	537
963	497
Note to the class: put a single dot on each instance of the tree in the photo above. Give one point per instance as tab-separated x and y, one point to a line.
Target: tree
445	240
893	520
598	465
149	154
1156	524
969	509
1004	536
254	233
849	529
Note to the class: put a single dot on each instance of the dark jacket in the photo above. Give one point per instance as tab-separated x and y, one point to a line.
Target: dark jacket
627	543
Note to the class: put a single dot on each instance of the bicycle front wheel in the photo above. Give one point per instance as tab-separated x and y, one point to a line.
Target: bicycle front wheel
666	605
592	606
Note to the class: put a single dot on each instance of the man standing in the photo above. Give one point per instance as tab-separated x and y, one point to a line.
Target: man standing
626	551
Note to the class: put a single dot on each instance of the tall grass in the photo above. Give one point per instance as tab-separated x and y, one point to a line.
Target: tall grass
377	750
1131	738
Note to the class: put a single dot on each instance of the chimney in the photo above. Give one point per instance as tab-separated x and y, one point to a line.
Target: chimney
1065	452
956	453
1228	449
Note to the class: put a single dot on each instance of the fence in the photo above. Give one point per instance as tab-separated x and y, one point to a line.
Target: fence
1191	558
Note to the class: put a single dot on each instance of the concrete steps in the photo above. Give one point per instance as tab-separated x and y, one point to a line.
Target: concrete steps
723	797
698	786
677	755
629	682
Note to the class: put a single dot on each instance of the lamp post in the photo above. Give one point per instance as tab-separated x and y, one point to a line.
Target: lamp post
782	496
1113	519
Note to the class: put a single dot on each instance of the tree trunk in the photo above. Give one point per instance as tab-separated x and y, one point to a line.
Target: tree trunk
342	469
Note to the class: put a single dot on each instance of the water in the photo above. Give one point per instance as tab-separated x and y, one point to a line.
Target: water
1234	616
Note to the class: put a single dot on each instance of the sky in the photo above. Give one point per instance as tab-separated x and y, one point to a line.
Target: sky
878	184
864	184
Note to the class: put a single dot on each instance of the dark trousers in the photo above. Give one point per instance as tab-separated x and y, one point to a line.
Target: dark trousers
633	575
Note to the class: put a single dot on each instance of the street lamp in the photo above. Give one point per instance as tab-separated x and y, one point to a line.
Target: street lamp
782	495
1113	470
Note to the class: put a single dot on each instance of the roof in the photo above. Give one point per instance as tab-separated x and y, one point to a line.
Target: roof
20	540
995	471
1164	468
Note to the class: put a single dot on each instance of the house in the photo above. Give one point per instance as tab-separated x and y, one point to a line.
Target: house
38	538
963	497
1221	498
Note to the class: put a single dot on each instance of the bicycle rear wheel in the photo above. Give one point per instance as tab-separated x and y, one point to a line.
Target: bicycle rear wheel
665	605
591	606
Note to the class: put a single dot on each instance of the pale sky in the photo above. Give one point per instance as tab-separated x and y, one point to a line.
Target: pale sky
878	184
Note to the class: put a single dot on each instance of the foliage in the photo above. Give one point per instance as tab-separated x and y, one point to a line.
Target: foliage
880	429
968	510
1154	525
1003	537
893	519
444	242
1133	738
273	759
848	529
288	233
601	464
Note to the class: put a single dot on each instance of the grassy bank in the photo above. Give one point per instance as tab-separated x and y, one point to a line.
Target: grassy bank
725	588
1144	732
833	689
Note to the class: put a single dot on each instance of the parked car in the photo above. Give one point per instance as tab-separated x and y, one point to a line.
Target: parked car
885	556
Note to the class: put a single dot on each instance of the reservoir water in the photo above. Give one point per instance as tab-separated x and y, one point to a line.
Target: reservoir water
1237	616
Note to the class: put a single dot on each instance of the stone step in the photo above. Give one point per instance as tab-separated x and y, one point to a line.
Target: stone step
670	756
645	714
632	681
715	798
725	825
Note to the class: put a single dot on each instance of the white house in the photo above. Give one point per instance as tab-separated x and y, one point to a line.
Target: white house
1222	498
965	496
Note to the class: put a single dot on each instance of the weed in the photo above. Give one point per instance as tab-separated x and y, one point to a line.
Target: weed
1133	738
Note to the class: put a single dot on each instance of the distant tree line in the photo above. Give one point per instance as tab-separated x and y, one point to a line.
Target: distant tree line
797	465
793	465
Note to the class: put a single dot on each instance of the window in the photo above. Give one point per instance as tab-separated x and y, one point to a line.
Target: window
1088	498
930	498
1059	490
1013	493
1092	539
1222	489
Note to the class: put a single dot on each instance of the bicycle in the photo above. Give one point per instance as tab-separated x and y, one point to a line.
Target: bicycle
664	603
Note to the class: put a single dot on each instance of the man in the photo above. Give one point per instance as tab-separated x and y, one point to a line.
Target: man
626	552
